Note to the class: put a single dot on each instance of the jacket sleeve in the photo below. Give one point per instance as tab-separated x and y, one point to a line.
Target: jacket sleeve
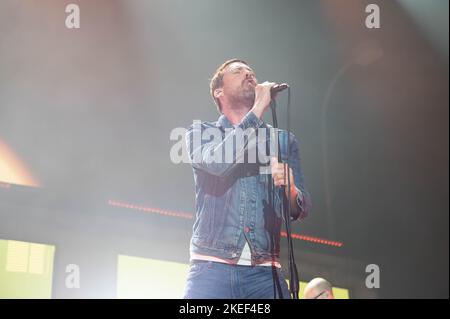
204	155
303	199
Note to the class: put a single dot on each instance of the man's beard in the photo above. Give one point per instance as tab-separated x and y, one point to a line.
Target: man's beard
243	96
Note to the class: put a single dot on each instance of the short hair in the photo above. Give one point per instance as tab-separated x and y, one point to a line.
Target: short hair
318	284
217	80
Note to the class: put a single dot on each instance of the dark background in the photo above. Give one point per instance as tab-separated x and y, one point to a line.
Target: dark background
90	111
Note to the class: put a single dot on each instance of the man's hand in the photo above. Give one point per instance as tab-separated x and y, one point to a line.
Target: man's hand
279	175
262	98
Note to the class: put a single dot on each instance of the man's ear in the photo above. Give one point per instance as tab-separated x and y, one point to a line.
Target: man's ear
218	93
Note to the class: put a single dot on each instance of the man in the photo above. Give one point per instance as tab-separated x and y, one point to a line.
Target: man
236	235
318	288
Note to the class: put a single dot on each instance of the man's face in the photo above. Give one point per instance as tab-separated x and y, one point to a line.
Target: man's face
239	83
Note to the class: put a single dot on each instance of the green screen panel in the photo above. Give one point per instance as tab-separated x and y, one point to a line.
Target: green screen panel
150	278
26	269
341	293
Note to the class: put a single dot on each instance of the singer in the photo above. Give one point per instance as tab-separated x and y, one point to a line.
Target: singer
235	246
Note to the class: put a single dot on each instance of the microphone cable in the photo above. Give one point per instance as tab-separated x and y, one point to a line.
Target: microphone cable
286	213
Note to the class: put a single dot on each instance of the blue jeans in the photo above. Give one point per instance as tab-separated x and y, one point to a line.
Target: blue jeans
212	280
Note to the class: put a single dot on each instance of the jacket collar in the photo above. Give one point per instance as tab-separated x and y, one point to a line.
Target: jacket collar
224	123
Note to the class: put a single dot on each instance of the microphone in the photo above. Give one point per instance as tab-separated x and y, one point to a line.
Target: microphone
277	88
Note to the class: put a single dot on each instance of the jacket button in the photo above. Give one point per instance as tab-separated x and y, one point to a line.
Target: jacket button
233	255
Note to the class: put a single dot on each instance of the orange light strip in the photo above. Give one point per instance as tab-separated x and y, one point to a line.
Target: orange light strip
13	169
314	240
186	215
147	209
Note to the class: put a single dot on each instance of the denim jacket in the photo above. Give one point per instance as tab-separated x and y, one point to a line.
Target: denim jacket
234	201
